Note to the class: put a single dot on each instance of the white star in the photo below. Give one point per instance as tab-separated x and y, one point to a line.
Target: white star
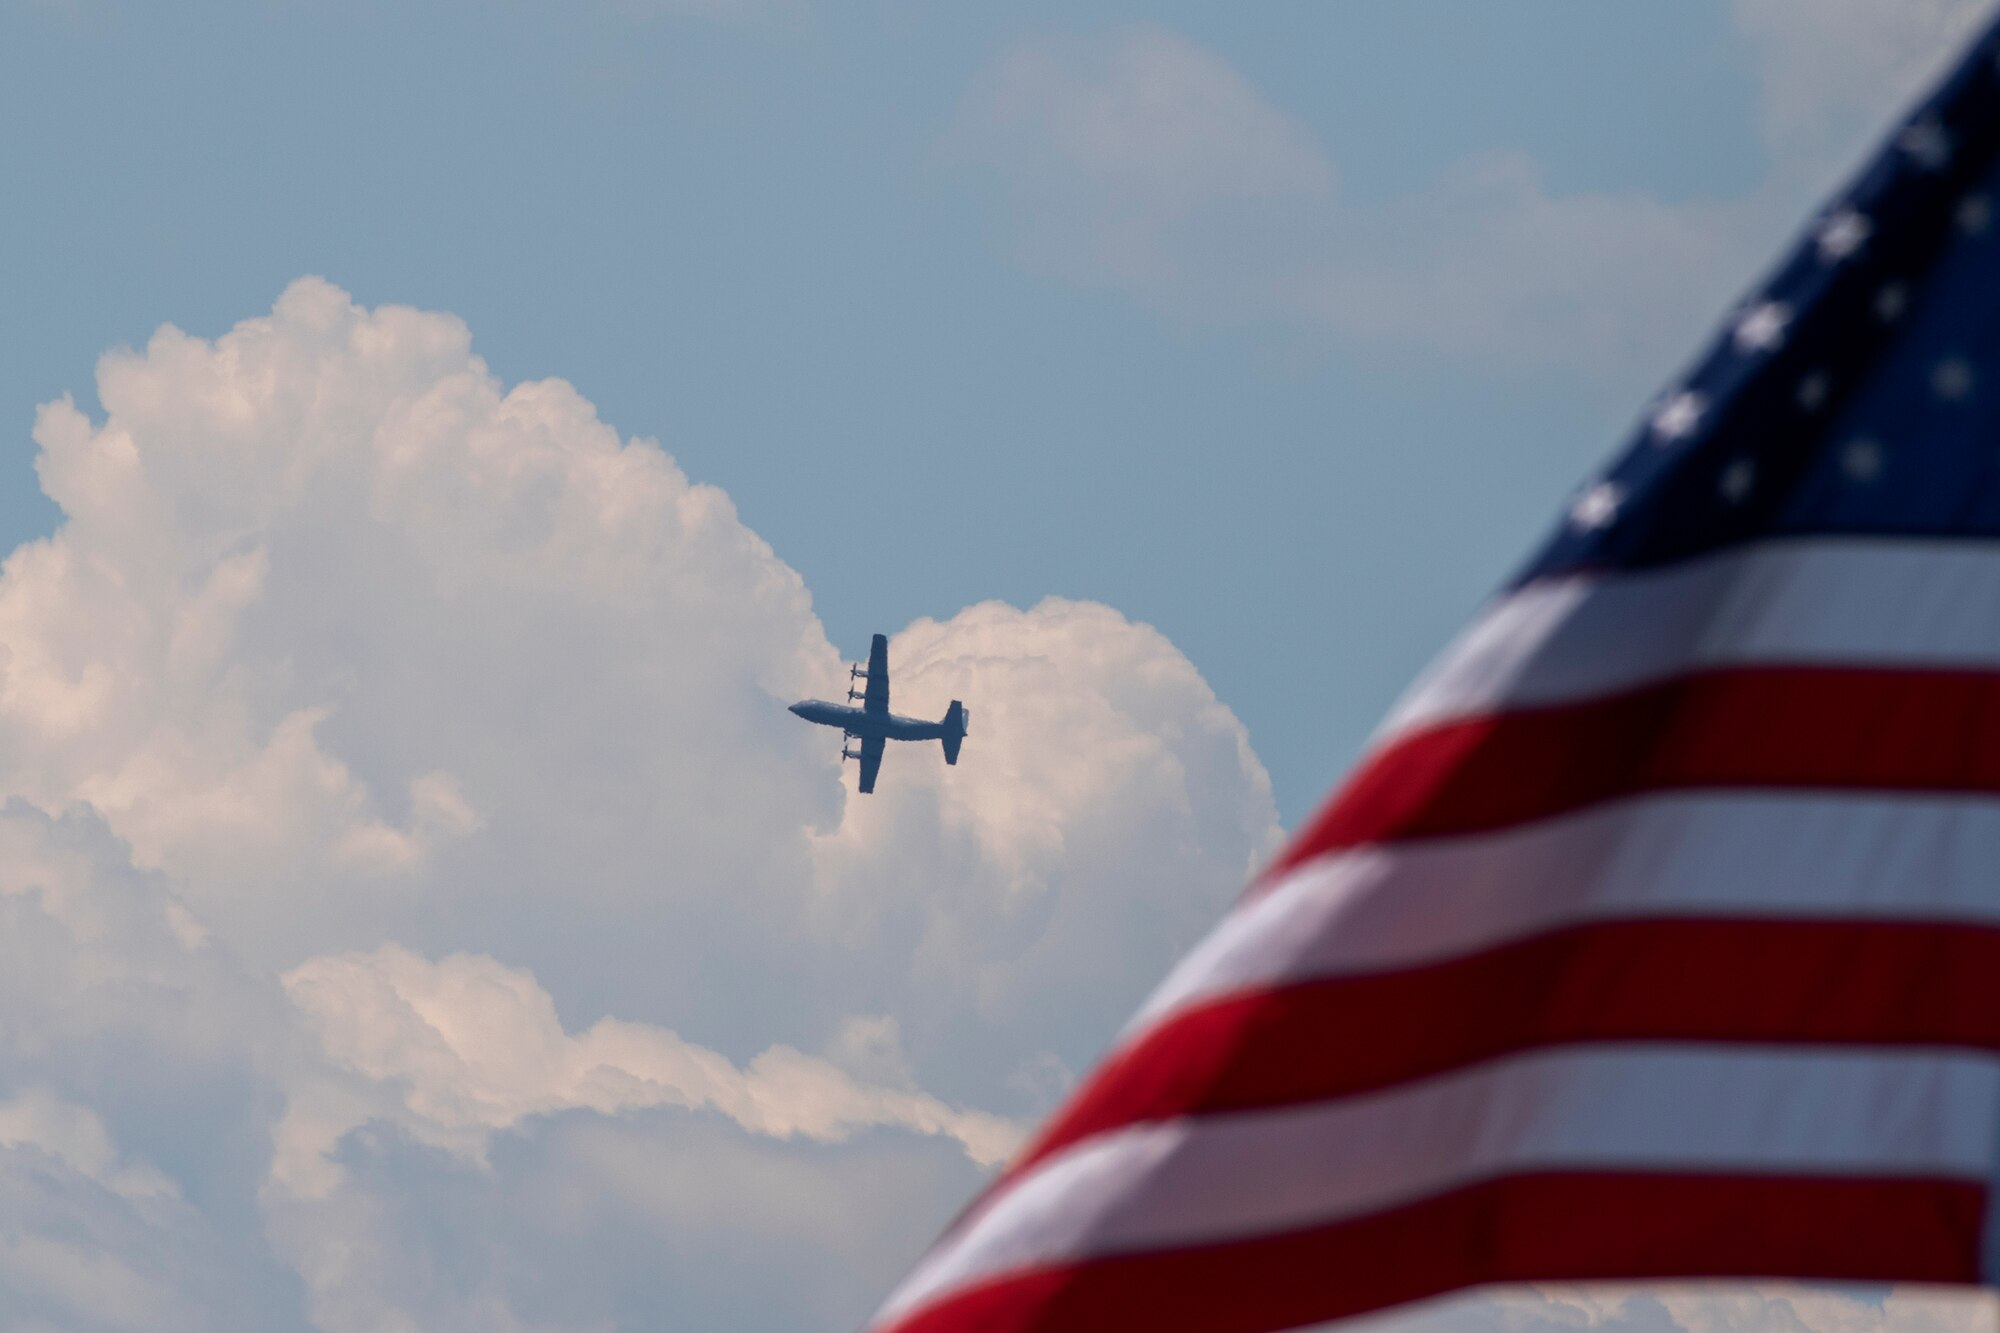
1763	328
1892	301
1679	415
1927	144
1737	479
1842	234
1861	460
1813	390
1951	379
1974	214
1596	507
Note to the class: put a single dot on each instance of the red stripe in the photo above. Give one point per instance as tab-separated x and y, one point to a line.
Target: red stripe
1829	982
1539	1228
1771	727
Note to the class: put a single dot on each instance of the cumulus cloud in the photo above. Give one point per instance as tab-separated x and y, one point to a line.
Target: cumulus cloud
130	1054
1032	885
310	574
418	911
1141	162
74	1136
406	829
465	1046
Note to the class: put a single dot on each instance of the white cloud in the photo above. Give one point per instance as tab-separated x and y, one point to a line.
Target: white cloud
466	1046
1105	808
328	602
94	1286
1144	162
1150	113
1141	162
402	786
361	647
1490	265
131	1055
1834	71
1715	1307
1906	1309
1130	158
74	1136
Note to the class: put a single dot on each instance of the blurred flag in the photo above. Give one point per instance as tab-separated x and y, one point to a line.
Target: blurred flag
1659	934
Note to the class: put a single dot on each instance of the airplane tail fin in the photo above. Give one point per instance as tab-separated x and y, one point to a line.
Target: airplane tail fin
954	730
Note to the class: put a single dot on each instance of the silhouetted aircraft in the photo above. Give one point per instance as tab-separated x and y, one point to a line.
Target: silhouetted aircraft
873	724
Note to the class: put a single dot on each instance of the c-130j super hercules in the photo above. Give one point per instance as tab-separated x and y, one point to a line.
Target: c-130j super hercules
873	724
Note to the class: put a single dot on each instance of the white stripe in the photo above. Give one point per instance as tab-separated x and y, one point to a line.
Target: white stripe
1821	601
1828	856
1762	1110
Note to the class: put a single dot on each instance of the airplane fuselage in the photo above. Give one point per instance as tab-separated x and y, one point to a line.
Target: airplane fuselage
873	724
862	723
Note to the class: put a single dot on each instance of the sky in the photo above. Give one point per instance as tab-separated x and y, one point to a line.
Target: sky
443	435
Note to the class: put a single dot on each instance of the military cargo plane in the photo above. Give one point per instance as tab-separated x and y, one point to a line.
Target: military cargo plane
873	724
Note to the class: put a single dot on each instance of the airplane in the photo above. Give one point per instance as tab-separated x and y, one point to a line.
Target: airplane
873	724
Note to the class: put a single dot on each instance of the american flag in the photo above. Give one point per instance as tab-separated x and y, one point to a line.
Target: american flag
1658	935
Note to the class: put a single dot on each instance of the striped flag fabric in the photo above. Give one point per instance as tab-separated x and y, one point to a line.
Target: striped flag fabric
1658	934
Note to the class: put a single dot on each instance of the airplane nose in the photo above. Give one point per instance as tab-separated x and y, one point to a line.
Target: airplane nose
797	708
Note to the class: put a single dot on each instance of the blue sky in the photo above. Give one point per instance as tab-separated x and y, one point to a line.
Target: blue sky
417	909
772	241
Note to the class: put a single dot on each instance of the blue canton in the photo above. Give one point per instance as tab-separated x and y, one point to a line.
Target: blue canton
1856	391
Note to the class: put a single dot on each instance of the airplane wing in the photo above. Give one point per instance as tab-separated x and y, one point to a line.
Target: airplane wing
876	698
871	757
